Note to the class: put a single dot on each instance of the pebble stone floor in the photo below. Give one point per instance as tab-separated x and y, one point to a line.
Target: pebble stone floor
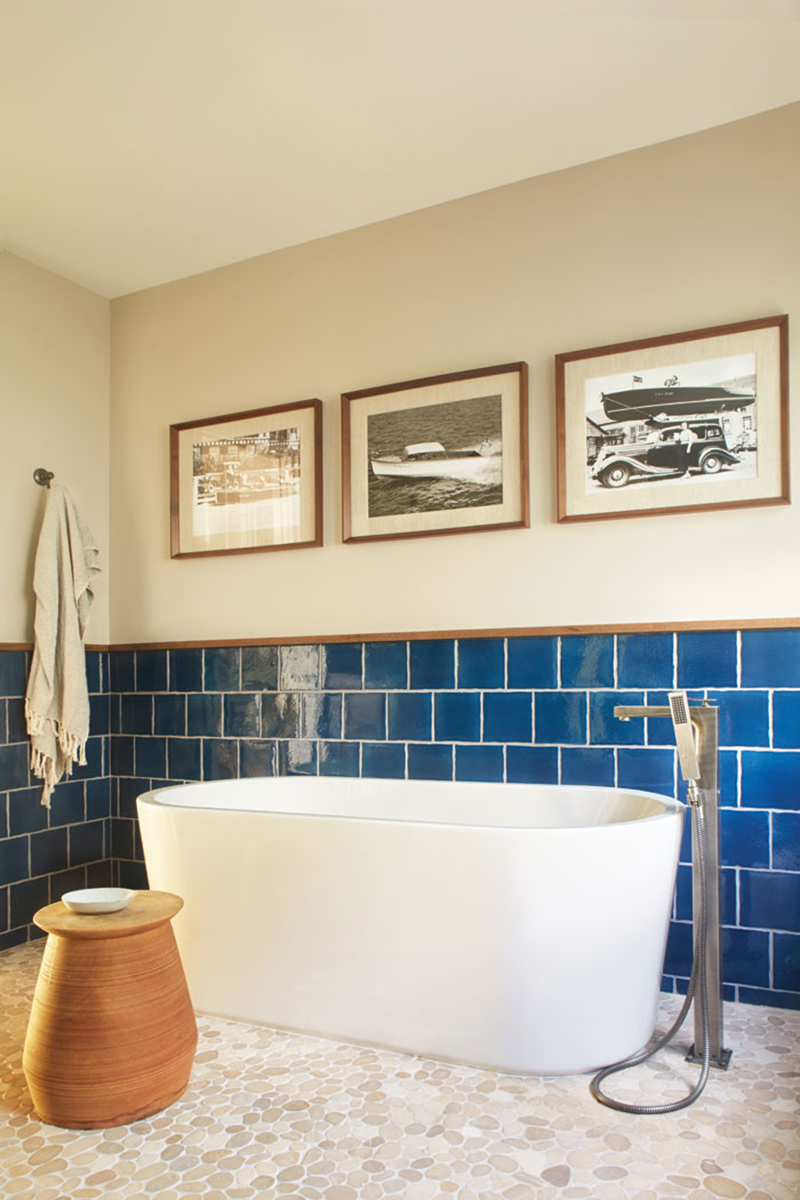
270	1114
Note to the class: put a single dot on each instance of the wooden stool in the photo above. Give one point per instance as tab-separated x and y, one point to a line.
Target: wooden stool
112	1034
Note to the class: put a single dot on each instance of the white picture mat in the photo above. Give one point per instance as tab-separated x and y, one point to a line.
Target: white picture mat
271	527
507	386
764	343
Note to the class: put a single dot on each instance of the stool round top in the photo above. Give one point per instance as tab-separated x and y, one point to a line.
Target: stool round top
145	911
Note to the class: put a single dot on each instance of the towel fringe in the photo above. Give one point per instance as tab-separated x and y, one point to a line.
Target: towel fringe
43	765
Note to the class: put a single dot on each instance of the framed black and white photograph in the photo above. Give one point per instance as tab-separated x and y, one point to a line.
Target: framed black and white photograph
446	454
247	481
676	423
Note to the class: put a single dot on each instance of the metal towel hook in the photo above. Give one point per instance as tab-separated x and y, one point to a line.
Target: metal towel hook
43	476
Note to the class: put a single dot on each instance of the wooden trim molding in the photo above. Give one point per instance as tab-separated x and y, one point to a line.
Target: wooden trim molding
447	634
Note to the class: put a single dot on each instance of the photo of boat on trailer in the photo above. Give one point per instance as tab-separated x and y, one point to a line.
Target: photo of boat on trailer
672	400
430	460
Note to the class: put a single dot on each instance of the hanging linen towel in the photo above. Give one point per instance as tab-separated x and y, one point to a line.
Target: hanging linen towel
57	697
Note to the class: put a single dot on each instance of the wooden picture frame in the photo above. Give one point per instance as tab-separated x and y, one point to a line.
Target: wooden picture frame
444	454
246	482
685	422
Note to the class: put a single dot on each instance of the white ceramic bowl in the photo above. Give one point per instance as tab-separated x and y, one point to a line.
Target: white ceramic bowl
98	900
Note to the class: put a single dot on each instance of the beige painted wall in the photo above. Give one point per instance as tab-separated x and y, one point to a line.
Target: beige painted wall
54	413
694	232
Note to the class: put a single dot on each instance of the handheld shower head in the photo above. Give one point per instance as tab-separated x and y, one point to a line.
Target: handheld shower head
684	736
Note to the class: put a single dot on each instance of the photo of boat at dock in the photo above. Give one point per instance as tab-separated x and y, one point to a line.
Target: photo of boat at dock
435	457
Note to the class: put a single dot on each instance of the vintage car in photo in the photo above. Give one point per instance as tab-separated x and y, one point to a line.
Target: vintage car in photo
663	455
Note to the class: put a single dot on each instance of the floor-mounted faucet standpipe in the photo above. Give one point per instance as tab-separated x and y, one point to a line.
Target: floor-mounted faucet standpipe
698	761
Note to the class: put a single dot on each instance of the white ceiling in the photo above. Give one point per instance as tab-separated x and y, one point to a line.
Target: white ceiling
147	140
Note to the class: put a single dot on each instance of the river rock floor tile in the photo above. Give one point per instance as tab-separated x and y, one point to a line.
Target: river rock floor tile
269	1114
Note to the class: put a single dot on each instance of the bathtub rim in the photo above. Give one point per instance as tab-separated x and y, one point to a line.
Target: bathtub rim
671	807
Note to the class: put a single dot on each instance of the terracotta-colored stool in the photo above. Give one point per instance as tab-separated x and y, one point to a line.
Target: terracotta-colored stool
112	1034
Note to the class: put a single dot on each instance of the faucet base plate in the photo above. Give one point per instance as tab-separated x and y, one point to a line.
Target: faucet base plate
722	1062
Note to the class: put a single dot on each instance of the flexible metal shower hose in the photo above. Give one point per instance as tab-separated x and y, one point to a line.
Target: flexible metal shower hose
697	983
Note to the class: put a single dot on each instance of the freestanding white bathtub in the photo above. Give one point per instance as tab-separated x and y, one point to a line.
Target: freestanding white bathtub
511	926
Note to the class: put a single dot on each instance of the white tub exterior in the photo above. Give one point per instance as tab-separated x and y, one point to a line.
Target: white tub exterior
518	927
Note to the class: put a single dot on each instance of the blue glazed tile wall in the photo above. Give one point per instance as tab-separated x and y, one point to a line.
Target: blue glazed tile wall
527	709
44	854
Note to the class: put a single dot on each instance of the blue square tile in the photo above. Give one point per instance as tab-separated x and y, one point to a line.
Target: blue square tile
785	719
322	715
341	665
94	674
122	672
183	758
786	841
121	838
678	958
745	957
481	663
257	758
727	892
203	714
743	718
533	662
150	757
457	717
98	799
128	792
645	660
728	778
771	779
338	758
242	715
433	664
3	909
86	843
14	859
508	717
365	716
13	672
386	665
98	714
186	670
587	661
136	714
93	766
410	716
13	767
532	764
382	761
744	838
299	668
3	820
223	666
769	900
259	668
646	769
430	762
771	658
560	717
220	758
25	812
770	997
169	715
483	763
121	755
114	705
25	898
49	851
17	729
101	874
787	962
707	659
590	765
297	758
280	715
151	670
605	728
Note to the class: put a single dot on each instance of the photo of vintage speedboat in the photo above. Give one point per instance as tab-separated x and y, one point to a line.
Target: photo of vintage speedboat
430	460
672	400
